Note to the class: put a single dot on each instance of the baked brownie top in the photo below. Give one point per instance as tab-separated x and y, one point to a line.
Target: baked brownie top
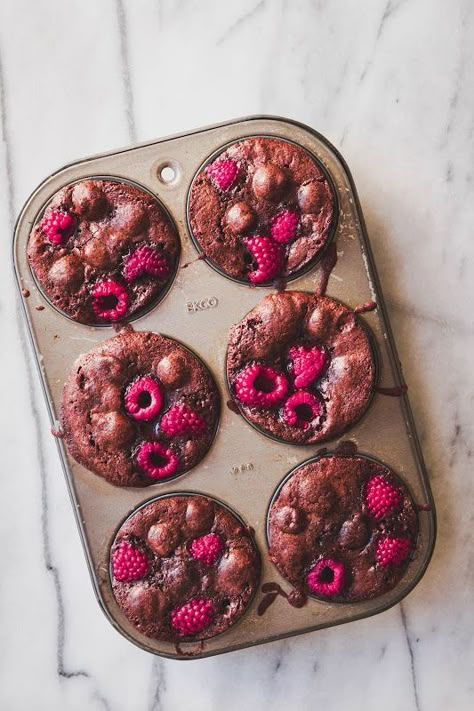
103	250
139	408
184	568
300	367
261	210
342	529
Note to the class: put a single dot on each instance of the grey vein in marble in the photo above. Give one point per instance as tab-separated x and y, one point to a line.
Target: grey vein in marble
412	656
62	670
122	24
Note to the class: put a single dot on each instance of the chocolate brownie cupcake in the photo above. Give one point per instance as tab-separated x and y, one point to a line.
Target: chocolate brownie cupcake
184	568
139	408
300	367
342	528
103	250
262	209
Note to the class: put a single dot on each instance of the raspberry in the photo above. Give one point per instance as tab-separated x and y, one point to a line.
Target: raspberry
180	420
129	563
143	399
194	616
284	225
145	260
58	226
308	364
268	256
260	386
327	577
301	409
156	460
382	496
223	173
392	551
207	549
109	300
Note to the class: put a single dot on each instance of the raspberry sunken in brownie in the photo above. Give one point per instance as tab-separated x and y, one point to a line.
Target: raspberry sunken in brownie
342	528
184	568
139	408
103	250
262	210
300	367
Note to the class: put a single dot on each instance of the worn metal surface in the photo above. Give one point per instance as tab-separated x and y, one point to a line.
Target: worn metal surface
243	467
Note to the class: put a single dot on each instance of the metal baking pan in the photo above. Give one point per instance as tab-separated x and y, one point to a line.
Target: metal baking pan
243	467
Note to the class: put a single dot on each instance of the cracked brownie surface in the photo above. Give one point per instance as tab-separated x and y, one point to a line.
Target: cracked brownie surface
184	568
343	528
262	210
301	367
103	250
139	408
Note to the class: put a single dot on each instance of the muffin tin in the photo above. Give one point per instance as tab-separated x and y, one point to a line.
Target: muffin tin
243	467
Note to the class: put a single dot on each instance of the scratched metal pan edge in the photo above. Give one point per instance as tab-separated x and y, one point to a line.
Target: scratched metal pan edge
281	128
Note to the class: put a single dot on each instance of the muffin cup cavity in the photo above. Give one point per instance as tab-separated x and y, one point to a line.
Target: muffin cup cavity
342	528
261	210
320	364
103	250
139	409
183	567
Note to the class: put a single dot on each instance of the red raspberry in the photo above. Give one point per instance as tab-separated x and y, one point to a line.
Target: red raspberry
207	548
109	300
382	496
223	173
260	386
193	617
392	551
58	226
145	260
284	225
180	420
268	256
327	577
129	563
301	409
308	364
143	399
156	460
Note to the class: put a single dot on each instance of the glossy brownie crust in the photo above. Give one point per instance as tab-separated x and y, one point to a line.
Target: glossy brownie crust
112	219
324	502
100	434
208	206
278	321
164	530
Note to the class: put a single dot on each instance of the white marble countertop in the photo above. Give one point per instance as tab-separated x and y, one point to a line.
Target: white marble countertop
390	84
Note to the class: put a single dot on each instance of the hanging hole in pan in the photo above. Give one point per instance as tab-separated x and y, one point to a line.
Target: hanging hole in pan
168	172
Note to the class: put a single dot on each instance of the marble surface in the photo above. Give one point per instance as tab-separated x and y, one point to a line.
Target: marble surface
390	84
